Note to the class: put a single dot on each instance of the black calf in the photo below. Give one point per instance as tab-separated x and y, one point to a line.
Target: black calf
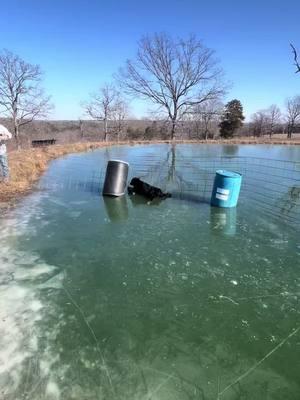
151	192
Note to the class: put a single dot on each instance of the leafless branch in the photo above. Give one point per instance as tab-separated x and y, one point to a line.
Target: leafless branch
296	62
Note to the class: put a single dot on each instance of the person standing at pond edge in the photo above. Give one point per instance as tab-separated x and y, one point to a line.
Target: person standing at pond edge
4	169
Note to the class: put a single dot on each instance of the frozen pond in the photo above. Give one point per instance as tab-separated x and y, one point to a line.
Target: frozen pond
119	299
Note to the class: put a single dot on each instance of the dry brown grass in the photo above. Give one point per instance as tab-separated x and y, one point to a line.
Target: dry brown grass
26	166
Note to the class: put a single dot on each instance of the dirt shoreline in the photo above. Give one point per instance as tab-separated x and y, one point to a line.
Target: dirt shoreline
26	166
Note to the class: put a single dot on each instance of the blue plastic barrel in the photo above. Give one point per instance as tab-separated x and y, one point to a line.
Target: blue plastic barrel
226	189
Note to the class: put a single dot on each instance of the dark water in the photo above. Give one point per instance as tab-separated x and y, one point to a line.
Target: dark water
121	299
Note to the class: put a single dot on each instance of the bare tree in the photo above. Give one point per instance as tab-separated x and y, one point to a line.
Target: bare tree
265	121
274	115
296	61
120	113
293	114
207	116
101	105
173	74
260	122
21	97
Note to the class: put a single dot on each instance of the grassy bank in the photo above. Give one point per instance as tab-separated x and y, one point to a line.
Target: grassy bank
26	166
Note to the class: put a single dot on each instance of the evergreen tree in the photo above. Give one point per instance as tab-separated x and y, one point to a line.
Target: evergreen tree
232	118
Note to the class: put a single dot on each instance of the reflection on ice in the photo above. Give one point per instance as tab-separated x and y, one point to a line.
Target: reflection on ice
223	220
116	208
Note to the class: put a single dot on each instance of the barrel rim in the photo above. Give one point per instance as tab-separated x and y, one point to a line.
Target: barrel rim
119	161
228	174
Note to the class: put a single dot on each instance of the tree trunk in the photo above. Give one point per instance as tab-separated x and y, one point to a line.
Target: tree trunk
206	133
105	129
16	134
290	130
81	128
173	129
119	129
271	131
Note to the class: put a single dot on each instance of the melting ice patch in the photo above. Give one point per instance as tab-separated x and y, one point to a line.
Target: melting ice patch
21	308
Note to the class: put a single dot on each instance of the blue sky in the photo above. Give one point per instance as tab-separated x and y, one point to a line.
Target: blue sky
80	44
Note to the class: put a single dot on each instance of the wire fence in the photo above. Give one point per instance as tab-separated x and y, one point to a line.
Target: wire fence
274	184
269	185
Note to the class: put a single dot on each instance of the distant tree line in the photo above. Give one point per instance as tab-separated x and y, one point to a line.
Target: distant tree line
272	120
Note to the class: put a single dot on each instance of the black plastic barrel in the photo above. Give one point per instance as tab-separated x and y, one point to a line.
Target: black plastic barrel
116	178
